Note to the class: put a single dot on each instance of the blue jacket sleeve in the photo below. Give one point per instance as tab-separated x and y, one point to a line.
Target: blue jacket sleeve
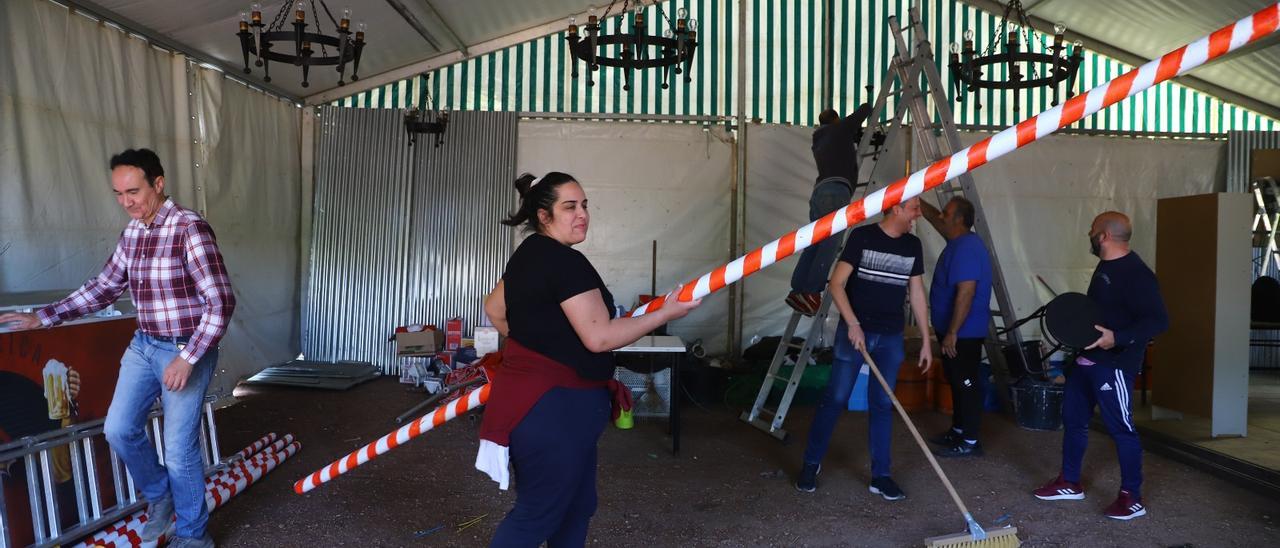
1152	318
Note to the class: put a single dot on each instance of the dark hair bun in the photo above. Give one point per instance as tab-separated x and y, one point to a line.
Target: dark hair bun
523	182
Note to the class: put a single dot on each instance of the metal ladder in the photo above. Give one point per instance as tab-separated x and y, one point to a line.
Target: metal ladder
94	507
1266	220
906	68
1004	314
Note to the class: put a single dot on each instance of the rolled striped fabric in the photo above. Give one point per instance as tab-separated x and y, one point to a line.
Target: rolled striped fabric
219	488
468	401
1175	63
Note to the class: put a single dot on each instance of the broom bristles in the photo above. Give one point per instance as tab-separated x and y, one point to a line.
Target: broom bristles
996	538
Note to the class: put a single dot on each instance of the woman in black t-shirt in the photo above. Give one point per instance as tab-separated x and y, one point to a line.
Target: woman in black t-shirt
549	401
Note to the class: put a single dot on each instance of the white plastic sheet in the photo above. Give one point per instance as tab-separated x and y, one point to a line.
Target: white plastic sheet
251	184
71	95
646	182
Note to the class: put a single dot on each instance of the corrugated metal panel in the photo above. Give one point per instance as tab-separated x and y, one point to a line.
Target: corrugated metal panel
784	72
1264	357
403	234
1239	146
458	247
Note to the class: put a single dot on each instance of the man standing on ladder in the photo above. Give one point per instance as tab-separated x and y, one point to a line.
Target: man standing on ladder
869	286
835	151
1133	313
959	299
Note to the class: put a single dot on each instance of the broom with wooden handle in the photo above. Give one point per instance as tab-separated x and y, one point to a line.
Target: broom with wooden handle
977	537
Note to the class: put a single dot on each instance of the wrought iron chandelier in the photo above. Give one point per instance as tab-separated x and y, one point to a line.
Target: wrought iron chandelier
1025	69
676	46
267	42
424	118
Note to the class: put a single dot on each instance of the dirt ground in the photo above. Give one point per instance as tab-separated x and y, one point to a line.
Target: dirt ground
730	486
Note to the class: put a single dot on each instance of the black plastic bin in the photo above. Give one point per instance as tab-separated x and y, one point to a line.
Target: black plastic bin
1037	405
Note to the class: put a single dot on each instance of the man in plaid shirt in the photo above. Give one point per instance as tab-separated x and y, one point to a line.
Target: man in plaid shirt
168	259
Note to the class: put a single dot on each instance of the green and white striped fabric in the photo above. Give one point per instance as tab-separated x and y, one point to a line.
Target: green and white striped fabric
785	46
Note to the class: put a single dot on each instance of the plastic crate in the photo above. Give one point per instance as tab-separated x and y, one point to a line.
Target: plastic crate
650	392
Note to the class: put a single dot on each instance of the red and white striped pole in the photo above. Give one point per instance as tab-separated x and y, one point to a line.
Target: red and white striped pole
254	447
219	488
468	401
1175	63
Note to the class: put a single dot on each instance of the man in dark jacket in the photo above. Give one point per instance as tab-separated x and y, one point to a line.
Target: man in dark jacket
1133	312
835	151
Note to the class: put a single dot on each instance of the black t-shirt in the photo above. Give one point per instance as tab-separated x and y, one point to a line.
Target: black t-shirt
540	275
882	266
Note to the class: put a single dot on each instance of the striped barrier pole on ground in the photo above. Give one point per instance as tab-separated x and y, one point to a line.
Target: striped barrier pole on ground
225	484
468	401
254	448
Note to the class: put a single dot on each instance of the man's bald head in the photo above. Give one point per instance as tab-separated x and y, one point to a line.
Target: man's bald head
1109	235
1114	224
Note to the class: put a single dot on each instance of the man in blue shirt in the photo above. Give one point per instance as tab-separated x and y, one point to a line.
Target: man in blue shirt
960	311
835	152
881	265
1133	312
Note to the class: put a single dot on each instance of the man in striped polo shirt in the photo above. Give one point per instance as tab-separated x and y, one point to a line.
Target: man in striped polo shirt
168	259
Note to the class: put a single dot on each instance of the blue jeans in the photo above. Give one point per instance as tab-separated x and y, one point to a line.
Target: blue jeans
139	384
886	349
810	275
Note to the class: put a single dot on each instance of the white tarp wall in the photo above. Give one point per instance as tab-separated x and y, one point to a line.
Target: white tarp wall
72	93
1039	202
250	175
645	182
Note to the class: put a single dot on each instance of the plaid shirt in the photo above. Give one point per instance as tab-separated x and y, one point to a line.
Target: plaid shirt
175	272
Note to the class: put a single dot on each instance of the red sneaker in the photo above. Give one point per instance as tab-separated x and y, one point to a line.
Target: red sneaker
1060	489
1126	507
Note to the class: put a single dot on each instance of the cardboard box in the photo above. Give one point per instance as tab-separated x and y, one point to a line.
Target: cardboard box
453	334
419	343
